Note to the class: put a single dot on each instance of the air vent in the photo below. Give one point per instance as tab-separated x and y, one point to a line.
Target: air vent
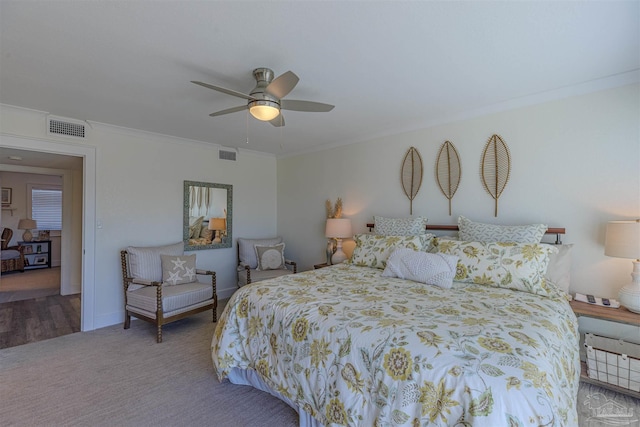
63	127
227	155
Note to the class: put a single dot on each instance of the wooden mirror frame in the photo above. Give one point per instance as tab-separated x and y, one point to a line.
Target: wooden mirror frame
227	239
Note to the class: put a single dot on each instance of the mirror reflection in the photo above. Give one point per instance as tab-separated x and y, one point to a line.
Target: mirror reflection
207	215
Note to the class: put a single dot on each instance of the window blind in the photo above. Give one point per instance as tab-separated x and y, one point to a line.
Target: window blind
46	208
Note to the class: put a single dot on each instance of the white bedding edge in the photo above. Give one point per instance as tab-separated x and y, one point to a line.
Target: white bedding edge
251	378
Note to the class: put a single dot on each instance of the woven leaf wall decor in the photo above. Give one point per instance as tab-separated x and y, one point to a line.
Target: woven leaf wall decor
448	170
495	167
411	175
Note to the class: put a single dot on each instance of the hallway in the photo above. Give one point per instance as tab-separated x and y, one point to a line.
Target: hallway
32	309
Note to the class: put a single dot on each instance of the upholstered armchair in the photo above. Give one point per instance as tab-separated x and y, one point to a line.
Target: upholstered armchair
261	259
12	256
162	285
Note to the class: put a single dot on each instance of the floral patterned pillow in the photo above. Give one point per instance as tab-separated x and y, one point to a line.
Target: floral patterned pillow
517	266
399	226
373	250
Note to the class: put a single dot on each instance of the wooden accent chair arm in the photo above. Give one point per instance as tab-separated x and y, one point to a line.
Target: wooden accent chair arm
293	264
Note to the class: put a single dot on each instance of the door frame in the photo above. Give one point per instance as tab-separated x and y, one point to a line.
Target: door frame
88	154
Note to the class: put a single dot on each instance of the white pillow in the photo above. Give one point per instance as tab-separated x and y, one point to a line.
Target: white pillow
478	232
270	257
423	267
559	269
399	226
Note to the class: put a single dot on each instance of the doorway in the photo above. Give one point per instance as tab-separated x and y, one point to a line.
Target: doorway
77	247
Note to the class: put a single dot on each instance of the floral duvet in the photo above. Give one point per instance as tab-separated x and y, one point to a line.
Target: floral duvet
350	347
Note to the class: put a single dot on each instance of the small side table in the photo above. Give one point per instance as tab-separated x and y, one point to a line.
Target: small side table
619	315
317	266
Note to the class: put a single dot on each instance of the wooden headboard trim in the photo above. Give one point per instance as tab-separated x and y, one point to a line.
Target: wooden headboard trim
558	231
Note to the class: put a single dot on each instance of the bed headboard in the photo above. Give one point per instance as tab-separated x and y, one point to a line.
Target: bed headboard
558	231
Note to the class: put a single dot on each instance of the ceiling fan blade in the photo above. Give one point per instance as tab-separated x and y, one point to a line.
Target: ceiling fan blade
278	121
223	90
283	84
228	111
295	105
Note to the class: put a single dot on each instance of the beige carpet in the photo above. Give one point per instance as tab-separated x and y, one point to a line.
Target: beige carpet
16	286
113	377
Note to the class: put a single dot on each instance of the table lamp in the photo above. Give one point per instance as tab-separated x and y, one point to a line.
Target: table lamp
338	228
623	241
218	225
27	224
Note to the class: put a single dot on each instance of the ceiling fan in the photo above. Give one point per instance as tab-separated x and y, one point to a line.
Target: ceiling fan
265	100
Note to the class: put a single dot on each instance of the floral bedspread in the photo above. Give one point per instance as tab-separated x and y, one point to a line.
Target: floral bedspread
353	348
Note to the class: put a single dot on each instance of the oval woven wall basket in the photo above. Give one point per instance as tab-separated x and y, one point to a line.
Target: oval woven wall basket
448	170
411	175
495	167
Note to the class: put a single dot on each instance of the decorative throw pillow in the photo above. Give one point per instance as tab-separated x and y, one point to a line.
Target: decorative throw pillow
194	227
373	250
432	269
478	232
205	233
177	270
247	250
270	257
399	226
517	266
559	270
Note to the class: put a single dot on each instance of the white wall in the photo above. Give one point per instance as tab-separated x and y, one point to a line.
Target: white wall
139	200
575	164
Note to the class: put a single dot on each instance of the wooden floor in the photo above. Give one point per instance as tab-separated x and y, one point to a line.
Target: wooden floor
37	319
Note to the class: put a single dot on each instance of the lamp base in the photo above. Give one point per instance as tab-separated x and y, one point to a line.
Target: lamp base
339	256
27	236
629	295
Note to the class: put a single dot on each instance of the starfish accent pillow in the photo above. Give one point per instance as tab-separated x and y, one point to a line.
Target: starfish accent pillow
177	270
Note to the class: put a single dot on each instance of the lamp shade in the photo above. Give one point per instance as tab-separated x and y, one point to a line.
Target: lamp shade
218	224
27	224
623	239
339	228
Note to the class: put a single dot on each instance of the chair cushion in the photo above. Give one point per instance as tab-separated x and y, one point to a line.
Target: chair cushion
247	252
145	262
173	297
258	275
177	270
270	257
10	254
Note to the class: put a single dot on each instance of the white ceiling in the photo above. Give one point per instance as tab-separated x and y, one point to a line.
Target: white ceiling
387	66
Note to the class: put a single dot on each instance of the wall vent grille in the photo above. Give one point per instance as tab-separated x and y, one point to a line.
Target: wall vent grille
227	155
59	127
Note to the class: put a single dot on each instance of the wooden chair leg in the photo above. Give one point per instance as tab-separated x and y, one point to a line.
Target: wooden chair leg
159	334
127	320
214	315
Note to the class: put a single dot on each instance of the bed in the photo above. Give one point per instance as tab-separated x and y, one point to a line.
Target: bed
351	344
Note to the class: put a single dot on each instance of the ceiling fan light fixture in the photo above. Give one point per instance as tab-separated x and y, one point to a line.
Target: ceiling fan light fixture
264	110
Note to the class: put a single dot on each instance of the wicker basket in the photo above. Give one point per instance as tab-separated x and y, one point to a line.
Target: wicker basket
613	361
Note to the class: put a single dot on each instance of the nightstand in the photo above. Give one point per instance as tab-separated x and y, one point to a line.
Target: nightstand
317	266
619	315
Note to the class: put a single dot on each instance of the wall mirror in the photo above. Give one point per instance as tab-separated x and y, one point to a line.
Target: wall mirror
208	215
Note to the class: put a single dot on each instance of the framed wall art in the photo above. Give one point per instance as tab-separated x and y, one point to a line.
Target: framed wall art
6	196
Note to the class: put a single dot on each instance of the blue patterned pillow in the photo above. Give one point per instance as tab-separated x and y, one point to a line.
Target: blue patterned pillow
478	232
